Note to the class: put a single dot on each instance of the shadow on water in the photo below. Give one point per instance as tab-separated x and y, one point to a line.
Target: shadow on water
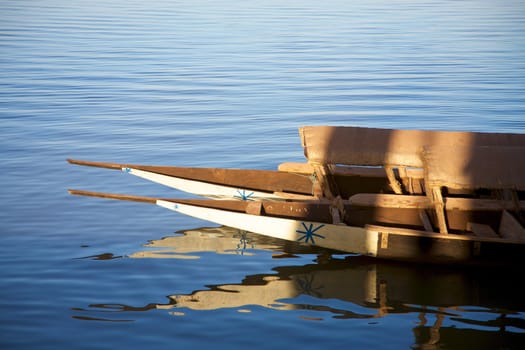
450	305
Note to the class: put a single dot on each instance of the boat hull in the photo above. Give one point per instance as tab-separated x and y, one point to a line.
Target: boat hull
337	237
374	241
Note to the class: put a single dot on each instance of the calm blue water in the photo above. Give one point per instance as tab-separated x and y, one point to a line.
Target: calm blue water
227	84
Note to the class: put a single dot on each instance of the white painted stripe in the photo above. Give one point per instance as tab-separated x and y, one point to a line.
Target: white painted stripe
201	188
344	238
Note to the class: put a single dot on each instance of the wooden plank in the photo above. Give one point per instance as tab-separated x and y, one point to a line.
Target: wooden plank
299	168
396	186
326	186
254	208
482	204
361	171
422	202
345	170
373	146
390	201
447	237
475	167
440	209
510	228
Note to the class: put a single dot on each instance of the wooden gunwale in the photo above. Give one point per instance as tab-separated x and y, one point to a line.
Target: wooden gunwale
249	179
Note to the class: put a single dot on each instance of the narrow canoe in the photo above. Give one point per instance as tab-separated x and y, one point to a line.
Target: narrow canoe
386	242
296	182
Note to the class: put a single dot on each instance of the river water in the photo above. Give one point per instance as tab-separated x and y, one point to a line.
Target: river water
226	84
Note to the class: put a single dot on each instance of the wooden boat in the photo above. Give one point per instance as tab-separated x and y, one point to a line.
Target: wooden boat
454	196
295	221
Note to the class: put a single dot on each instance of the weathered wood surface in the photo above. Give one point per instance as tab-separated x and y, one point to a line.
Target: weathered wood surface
372	146
475	167
471	168
423	202
261	180
415	246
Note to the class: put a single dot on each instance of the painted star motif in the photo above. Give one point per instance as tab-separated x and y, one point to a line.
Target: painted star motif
306	285
309	233
243	195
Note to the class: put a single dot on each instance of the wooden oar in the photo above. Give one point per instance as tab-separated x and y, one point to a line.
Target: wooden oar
115	166
231	205
122	197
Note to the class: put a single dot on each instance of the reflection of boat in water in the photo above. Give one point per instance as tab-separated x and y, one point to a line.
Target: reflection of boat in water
334	278
449	305
188	244
382	288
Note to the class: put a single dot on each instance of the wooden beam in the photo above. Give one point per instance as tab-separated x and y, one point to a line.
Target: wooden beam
390	201
299	168
423	202
440	209
396	186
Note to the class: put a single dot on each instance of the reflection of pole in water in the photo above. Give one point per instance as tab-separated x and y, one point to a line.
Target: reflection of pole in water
434	336
244	242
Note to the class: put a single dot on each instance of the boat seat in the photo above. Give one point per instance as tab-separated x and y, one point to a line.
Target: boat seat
471	168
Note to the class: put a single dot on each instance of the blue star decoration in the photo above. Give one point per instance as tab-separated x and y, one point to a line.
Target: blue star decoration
243	195
309	233
127	170
306	285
